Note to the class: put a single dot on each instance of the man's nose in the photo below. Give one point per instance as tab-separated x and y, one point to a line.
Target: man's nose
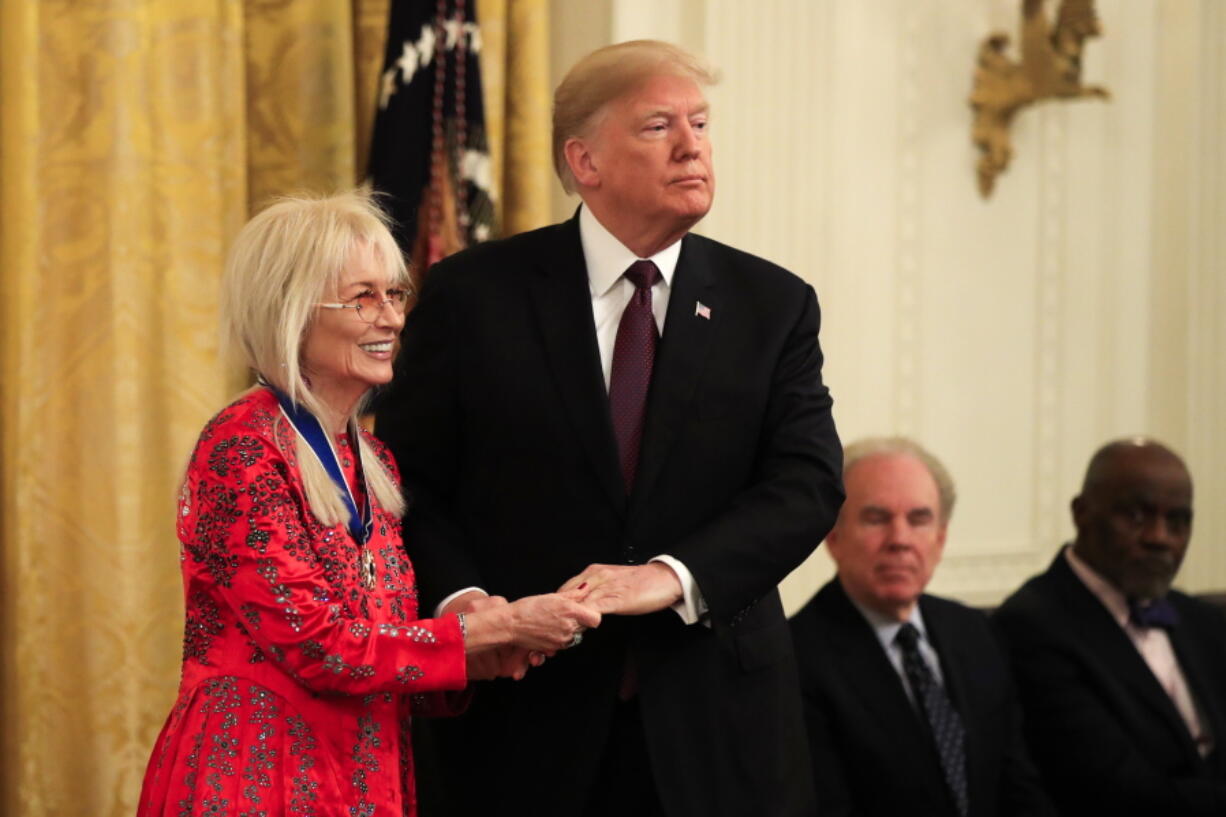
901	533
1158	532
689	141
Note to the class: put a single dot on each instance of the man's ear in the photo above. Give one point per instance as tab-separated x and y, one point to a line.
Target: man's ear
1078	507
581	162
832	543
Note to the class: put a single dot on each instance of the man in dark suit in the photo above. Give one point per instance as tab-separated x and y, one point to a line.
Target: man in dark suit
908	701
1123	680
636	415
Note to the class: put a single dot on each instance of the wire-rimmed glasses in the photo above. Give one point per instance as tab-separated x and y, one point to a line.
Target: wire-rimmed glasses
369	303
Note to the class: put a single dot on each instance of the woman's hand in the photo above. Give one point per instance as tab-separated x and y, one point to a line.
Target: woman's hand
486	663
504	640
550	622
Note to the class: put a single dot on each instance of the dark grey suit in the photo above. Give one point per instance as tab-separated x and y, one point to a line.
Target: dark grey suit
500	423
872	753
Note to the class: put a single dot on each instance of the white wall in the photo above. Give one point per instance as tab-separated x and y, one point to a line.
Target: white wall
1014	335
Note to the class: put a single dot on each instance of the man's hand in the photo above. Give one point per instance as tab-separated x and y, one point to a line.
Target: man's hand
626	590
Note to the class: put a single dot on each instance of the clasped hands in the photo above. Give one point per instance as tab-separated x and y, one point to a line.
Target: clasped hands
505	639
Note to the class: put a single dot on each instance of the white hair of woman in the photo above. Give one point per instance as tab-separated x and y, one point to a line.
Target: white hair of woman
283	263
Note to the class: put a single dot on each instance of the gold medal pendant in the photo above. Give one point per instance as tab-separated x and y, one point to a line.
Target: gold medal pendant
366	568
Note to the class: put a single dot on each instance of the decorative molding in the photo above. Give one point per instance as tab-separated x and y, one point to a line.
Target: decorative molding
1049	301
986	578
1206	305
908	244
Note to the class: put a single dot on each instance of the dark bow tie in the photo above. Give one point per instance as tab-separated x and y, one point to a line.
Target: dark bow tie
1157	613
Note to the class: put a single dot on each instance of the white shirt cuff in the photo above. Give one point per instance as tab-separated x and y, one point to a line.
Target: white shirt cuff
442	605
691	606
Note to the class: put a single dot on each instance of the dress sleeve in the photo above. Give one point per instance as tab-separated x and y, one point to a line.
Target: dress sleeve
245	527
441	704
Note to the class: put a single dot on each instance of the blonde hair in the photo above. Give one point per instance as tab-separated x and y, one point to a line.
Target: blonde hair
603	76
284	262
903	446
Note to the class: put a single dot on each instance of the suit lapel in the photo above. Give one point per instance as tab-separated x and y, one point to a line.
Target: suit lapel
1109	641
680	358
958	663
562	300
877	684
1191	661
949	649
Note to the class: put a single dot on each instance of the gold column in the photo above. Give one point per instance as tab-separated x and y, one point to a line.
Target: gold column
515	73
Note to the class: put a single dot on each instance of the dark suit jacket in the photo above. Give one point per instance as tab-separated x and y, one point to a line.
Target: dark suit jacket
1104	734
499	420
871	752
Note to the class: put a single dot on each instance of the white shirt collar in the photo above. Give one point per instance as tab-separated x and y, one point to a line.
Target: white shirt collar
607	258
887	627
1110	596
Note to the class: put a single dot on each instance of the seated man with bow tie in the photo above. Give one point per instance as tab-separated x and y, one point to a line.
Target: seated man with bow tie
908	701
1123	680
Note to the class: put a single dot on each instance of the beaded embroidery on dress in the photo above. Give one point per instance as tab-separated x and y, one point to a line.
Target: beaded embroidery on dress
303	657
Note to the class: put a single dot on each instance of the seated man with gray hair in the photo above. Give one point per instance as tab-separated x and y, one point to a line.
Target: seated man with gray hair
908	700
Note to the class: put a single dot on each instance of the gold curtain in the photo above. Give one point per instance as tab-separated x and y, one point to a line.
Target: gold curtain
515	55
136	137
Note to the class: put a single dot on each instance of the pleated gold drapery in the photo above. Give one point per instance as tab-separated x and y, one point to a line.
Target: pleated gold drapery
135	138
515	70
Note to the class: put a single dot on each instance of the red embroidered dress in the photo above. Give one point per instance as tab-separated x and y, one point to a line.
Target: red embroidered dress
298	679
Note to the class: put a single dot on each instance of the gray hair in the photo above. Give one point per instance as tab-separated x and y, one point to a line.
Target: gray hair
867	447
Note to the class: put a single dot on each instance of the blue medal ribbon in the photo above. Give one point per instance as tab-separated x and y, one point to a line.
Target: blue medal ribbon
308	425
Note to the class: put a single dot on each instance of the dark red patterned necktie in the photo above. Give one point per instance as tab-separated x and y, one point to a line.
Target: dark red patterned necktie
634	352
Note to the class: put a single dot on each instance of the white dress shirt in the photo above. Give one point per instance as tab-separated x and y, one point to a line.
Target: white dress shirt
607	260
1153	643
887	628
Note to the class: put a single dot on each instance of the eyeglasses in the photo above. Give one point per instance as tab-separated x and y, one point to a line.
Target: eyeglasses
369	305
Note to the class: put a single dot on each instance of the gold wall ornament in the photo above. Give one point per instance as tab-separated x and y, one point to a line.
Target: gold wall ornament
1050	68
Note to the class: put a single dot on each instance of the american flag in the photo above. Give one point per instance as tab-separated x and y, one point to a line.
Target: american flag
702	310
429	150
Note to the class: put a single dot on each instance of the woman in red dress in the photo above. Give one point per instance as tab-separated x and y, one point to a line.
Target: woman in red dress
303	653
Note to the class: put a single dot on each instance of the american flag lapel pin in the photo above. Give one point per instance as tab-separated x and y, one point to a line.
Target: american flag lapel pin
702	310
